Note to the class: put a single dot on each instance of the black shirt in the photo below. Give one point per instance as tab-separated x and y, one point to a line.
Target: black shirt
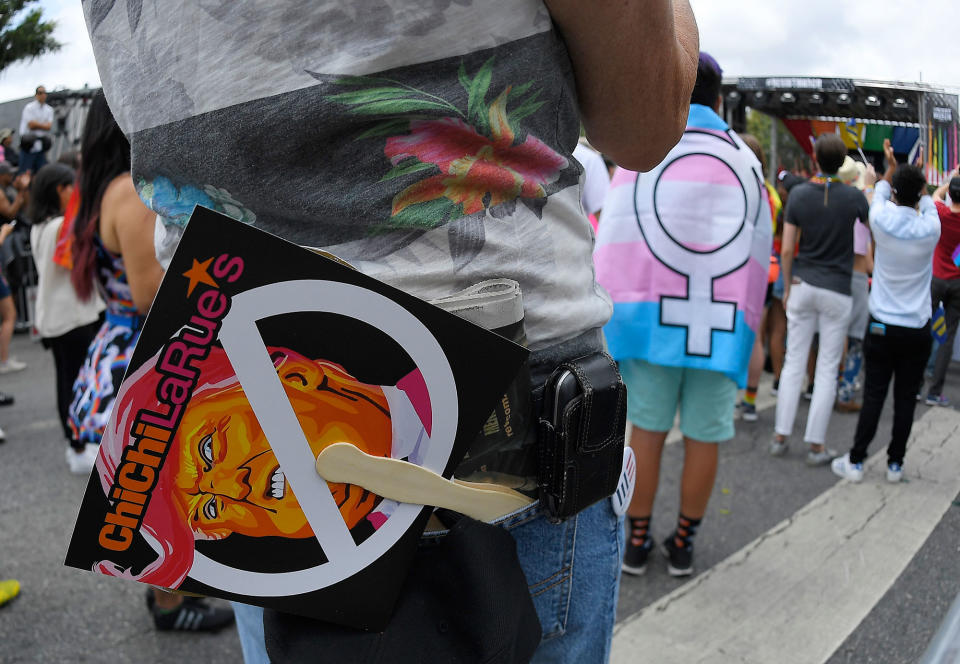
826	232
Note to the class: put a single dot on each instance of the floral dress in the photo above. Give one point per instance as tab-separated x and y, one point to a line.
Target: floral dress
109	354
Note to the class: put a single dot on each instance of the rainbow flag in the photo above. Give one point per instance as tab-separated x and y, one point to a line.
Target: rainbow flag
956	256
684	252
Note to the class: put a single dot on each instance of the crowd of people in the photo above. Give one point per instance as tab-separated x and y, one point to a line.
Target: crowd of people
86	223
714	273
857	268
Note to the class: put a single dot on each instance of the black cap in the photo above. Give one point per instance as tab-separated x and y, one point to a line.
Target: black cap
788	180
954	189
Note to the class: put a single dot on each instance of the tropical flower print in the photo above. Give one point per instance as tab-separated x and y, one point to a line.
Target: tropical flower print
175	204
224	202
473	158
476	172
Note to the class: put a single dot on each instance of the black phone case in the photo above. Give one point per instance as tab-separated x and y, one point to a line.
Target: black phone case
581	434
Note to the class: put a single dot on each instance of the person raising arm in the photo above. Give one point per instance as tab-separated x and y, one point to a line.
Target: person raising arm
940	193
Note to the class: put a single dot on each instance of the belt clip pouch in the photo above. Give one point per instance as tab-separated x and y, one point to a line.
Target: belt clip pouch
581	434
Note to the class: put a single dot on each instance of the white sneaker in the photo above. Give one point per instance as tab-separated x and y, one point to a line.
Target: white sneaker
778	447
12	364
3	436
894	473
82	463
844	468
821	458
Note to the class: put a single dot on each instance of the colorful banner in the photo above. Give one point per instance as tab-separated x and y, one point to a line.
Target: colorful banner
871	136
852	134
876	135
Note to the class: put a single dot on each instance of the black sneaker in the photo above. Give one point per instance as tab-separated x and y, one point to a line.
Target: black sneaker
188	599
680	560
6	399
635	559
192	616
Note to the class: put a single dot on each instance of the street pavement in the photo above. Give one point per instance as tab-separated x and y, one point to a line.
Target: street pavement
792	564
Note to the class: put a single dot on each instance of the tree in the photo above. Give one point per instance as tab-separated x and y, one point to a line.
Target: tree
29	38
789	155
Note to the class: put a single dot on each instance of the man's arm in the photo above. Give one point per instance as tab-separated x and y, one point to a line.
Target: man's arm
940	193
880	197
9	210
928	210
787	243
635	62
35	124
891	161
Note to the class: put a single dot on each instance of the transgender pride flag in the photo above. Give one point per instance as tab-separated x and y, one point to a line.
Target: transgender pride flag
684	252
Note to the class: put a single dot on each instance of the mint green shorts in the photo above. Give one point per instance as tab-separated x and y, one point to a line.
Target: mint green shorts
706	400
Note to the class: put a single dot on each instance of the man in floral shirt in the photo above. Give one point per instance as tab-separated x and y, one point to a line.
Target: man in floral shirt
429	143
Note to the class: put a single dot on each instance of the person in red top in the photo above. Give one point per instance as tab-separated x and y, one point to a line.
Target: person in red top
945	286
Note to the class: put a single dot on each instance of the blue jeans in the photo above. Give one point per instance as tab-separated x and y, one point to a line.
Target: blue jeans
573	570
250	629
32	161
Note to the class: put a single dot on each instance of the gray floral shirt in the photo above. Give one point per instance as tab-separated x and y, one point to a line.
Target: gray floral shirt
428	142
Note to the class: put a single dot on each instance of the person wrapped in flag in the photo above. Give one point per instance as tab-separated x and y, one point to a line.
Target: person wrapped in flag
684	252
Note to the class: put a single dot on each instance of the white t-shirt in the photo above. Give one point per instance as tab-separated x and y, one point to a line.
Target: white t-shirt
596	178
35	112
59	310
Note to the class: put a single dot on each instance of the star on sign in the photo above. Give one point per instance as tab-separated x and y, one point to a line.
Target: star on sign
197	274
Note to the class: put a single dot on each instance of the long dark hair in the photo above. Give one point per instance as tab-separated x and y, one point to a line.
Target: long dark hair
105	154
44	197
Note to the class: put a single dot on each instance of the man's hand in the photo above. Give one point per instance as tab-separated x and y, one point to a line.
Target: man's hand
5	231
891	160
786	295
888	153
22	182
940	194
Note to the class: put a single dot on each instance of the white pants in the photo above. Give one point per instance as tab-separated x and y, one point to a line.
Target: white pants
810	310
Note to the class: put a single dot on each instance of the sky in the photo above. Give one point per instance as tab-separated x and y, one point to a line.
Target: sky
889	40
881	39
71	67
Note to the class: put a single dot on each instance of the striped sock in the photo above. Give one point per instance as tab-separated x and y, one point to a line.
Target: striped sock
750	396
686	529
639	527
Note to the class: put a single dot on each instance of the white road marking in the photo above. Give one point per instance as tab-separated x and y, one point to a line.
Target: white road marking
795	593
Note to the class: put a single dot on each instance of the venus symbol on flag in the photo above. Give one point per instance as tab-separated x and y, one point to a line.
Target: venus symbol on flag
705	177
